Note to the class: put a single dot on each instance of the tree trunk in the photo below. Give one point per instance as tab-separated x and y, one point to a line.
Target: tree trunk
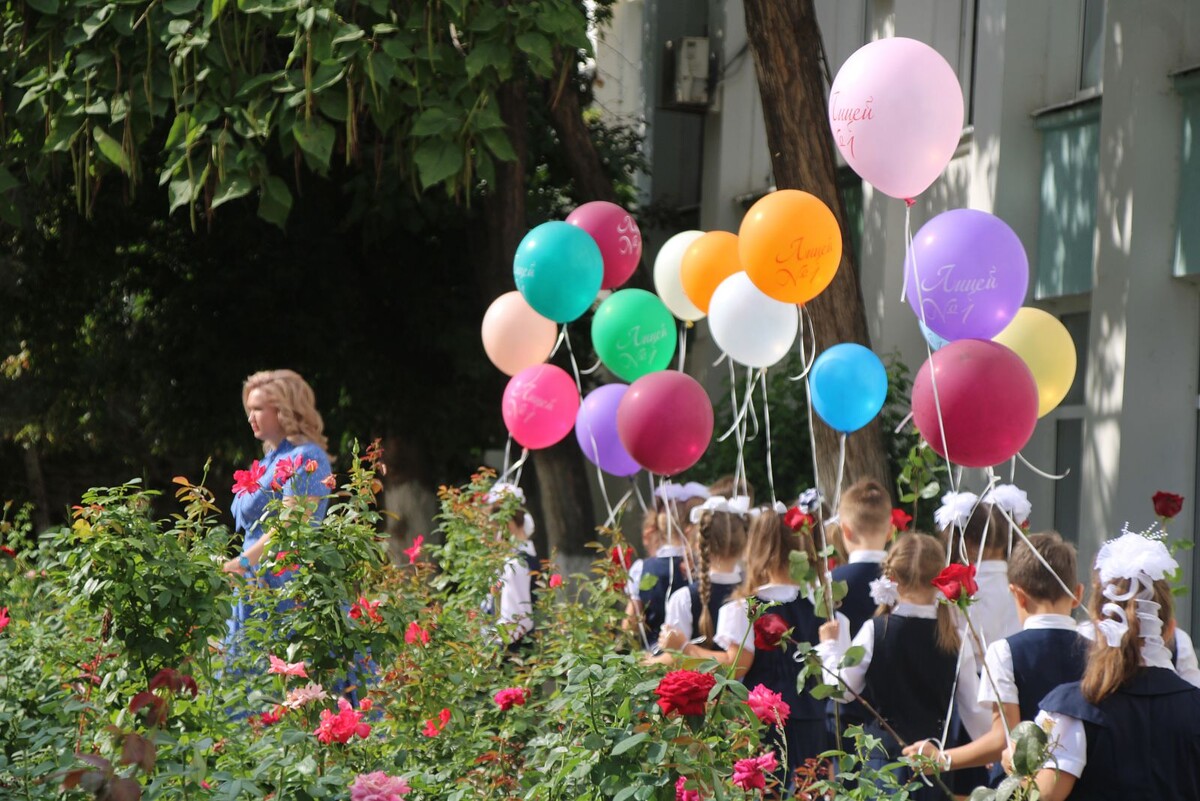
37	487
788	61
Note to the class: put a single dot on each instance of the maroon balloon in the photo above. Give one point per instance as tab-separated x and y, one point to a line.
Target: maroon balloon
988	399
665	421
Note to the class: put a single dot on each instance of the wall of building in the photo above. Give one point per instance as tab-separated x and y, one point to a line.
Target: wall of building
1076	136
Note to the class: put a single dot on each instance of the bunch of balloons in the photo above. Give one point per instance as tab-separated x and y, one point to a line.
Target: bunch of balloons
662	422
896	114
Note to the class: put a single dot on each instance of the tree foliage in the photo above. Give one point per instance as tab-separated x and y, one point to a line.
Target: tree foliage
217	100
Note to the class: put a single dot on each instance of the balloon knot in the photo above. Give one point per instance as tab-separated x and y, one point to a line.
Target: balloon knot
688	324
908	201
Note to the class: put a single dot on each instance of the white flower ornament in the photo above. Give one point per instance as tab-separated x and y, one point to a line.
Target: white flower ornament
1012	499
884	591
956	509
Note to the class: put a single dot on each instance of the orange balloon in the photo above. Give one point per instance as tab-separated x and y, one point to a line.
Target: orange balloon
790	245
706	263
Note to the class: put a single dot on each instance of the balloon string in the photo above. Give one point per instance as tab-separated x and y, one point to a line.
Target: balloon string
837	492
911	255
907	249
762	374
1043	474
637	492
562	334
624	499
574	364
507	451
682	344
720	358
1020	532
1012	470
515	468
590	370
753	418
900	426
741	410
739	468
826	573
807	364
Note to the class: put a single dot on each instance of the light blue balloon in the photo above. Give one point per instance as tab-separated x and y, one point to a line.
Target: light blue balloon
935	341
849	386
558	269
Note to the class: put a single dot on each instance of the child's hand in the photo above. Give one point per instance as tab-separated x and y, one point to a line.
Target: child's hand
670	639
829	631
924	748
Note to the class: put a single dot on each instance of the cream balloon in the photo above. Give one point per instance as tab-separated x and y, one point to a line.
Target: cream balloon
1046	347
515	336
752	327
667	281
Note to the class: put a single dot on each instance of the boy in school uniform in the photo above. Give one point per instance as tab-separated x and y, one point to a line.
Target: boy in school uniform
865	519
1024	667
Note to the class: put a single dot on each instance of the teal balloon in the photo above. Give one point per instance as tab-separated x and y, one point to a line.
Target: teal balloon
935	341
633	333
558	269
849	386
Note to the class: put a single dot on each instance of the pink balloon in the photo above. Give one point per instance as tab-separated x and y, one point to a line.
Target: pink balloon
988	400
539	406
665	421
514	335
896	109
617	234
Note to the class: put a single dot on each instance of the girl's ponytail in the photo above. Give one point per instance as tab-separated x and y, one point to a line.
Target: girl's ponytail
1111	666
706	621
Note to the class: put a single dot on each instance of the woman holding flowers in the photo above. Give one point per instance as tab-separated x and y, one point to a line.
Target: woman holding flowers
281	410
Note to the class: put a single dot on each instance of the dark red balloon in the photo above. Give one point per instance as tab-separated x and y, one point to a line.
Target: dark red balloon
988	400
665	421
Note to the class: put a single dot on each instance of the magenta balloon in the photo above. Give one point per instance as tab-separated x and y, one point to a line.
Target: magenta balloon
973	274
665	421
539	405
596	431
618	236
988	400
896	110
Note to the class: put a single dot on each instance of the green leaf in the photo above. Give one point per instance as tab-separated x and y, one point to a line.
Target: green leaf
630	743
179	128
7	180
276	201
235	185
180	192
488	53
929	490
111	149
181	8
44	6
853	656
626	793
315	138
497	142
647	582
217	7
96	21
820	691
437	160
432	122
536	46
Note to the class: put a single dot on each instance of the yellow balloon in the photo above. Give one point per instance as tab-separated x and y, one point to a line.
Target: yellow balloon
1046	347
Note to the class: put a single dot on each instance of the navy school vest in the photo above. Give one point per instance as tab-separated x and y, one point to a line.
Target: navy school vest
909	680
1143	741
1042	659
668	572
718	595
778	670
857	605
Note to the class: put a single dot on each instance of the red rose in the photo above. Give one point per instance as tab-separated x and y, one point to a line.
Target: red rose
768	632
901	519
1167	504
796	519
684	691
956	582
623	558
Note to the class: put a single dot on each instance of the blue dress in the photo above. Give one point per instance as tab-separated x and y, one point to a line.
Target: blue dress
249	510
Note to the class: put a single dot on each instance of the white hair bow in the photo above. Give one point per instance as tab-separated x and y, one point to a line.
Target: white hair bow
671	491
502	488
528	525
1141	561
809	500
956	509
738	505
1012	499
884	591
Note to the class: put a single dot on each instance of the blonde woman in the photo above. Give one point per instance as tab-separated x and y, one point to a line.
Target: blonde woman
281	410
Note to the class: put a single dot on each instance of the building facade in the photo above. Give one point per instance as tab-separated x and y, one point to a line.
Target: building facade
1082	132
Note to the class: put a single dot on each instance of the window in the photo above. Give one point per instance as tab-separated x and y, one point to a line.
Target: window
1187	233
969	37
1067	220
1077	326
1091	54
1068	456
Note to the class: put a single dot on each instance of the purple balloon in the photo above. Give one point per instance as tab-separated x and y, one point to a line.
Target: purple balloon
973	274
596	430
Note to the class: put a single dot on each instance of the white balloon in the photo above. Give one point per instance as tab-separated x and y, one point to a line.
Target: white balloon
752	327
666	275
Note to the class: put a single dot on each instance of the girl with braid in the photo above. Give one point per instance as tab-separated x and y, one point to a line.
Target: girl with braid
719	533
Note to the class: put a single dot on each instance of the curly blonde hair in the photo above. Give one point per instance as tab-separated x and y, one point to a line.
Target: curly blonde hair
294	402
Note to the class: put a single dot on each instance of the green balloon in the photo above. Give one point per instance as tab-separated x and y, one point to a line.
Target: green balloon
633	333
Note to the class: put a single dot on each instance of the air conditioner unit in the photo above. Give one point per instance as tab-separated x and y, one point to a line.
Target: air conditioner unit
691	71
